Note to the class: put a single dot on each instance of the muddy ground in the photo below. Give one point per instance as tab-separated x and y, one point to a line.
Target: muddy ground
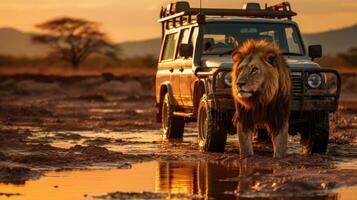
62	123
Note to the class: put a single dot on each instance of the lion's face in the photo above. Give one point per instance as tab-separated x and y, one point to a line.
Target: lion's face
255	74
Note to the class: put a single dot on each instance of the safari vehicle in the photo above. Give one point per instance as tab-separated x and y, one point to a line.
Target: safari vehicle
193	80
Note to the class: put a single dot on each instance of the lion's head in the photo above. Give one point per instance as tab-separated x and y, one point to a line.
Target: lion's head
259	74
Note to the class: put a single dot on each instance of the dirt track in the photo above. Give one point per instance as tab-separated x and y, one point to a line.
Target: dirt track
51	122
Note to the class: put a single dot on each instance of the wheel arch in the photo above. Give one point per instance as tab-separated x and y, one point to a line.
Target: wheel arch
198	91
164	88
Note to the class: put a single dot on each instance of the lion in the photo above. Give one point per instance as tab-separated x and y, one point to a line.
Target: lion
261	89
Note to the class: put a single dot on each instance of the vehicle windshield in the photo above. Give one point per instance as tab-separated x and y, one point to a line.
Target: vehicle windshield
223	38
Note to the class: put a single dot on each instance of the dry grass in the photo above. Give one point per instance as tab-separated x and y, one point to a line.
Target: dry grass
85	71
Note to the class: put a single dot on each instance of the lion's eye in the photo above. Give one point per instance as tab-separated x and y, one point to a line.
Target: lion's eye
254	70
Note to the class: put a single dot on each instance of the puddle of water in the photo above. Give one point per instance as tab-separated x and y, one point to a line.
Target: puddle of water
104	110
132	142
347	194
138	138
138	142
202	179
77	183
65	144
352	164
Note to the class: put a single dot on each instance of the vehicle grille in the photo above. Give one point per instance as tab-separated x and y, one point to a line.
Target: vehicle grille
297	85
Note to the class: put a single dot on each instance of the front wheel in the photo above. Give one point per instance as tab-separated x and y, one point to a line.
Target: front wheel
172	126
212	133
315	136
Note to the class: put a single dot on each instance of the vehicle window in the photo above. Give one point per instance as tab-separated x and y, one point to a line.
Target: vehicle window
217	43
194	36
169	46
222	38
185	34
271	36
292	40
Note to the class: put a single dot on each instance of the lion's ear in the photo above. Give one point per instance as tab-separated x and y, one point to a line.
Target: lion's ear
270	58
236	56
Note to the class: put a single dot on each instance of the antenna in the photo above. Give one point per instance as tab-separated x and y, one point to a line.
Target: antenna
200	6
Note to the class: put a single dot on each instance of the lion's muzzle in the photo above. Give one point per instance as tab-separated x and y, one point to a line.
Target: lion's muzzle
242	91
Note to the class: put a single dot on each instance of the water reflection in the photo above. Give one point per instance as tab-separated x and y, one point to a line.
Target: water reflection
211	180
201	178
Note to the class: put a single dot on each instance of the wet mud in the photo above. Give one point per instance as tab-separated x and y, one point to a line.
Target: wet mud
53	124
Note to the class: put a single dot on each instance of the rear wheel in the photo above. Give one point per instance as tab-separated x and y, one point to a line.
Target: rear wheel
315	136
172	126
212	133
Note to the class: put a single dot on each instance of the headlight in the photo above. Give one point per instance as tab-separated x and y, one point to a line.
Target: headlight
314	81
224	79
228	79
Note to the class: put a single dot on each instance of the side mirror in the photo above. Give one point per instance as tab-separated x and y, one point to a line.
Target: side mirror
186	50
315	51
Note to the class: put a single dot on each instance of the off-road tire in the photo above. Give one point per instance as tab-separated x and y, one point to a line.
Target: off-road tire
315	136
172	126
212	133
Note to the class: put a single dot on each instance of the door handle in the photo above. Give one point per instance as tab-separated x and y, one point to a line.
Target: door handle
171	70
181	70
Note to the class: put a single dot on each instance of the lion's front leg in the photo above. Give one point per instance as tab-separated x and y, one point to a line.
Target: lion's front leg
280	141
245	142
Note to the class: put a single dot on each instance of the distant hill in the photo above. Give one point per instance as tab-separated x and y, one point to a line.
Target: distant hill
140	48
17	43
334	41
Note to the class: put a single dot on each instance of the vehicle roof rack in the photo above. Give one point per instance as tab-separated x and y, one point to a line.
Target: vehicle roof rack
180	13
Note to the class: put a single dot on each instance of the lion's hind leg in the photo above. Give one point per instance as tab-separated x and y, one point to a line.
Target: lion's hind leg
280	141
245	142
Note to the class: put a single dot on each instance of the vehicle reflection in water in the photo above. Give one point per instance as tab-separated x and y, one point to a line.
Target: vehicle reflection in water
210	180
199	178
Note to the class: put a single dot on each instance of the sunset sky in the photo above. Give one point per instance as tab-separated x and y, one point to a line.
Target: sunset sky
126	20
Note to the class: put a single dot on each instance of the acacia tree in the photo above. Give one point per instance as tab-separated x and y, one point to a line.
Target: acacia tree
75	39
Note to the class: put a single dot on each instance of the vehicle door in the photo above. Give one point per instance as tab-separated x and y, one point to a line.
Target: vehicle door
169	66
187	77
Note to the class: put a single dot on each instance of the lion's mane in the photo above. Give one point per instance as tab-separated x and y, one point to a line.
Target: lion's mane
263	108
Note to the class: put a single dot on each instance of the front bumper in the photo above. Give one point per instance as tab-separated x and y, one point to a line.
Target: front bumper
223	104
303	99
